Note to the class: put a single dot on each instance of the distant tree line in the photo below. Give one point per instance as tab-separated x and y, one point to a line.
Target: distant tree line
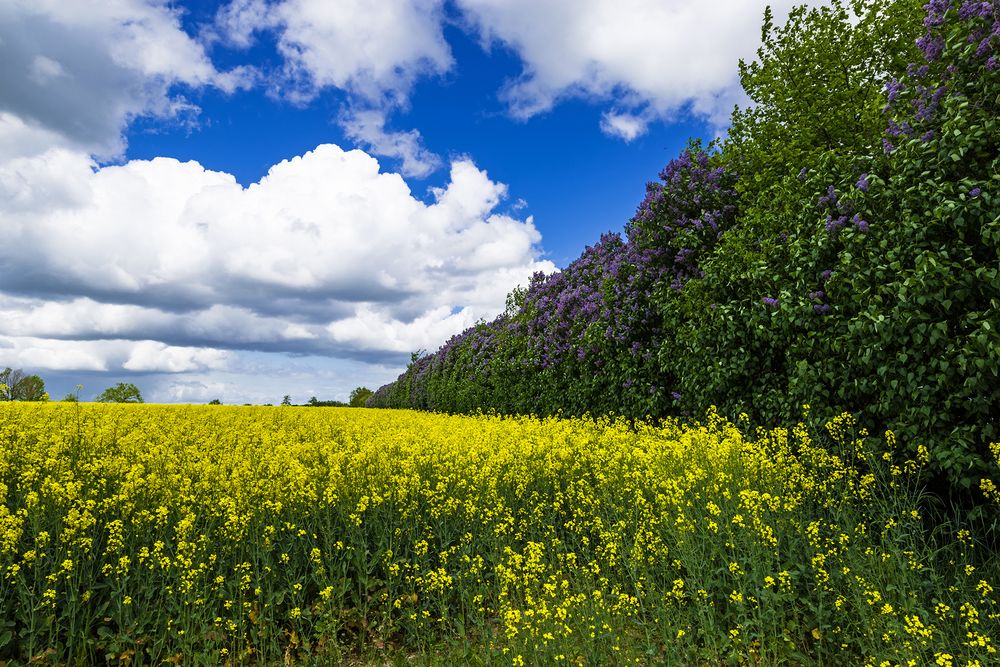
17	385
357	400
315	403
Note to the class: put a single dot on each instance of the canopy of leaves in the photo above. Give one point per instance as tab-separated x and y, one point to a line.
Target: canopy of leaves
123	392
359	396
16	385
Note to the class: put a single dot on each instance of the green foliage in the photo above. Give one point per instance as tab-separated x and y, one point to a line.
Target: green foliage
123	392
818	90
359	396
74	396
316	403
882	260
16	385
927	280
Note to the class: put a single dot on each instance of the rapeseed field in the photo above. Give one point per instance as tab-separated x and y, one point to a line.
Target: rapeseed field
139	534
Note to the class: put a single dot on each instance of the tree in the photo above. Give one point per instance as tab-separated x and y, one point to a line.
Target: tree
359	396
16	385
287	400
123	392
9	379
215	401
316	403
31	388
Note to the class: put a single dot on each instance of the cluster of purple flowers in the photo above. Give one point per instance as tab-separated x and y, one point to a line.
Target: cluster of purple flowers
600	309
683	215
818	297
560	308
839	211
986	34
980	20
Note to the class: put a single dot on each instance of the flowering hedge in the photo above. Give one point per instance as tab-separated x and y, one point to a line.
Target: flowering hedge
877	291
839	248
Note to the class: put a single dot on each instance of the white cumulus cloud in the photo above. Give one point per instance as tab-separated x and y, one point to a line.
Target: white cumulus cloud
82	70
652	57
367	127
626	126
48	354
326	255
371	49
374	52
154	356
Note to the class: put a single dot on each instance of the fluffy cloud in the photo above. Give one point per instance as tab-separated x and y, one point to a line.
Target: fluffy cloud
48	354
237	22
173	262
75	73
154	356
652	57
162	267
374	52
368	128
626	126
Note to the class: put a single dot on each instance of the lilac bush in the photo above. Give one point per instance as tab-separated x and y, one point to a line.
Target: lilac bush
587	338
839	250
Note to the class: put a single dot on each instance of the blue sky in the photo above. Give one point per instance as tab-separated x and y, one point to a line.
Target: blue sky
251	198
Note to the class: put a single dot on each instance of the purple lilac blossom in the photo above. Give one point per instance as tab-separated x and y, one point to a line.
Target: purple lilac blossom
829	198
893	88
833	224
975	9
